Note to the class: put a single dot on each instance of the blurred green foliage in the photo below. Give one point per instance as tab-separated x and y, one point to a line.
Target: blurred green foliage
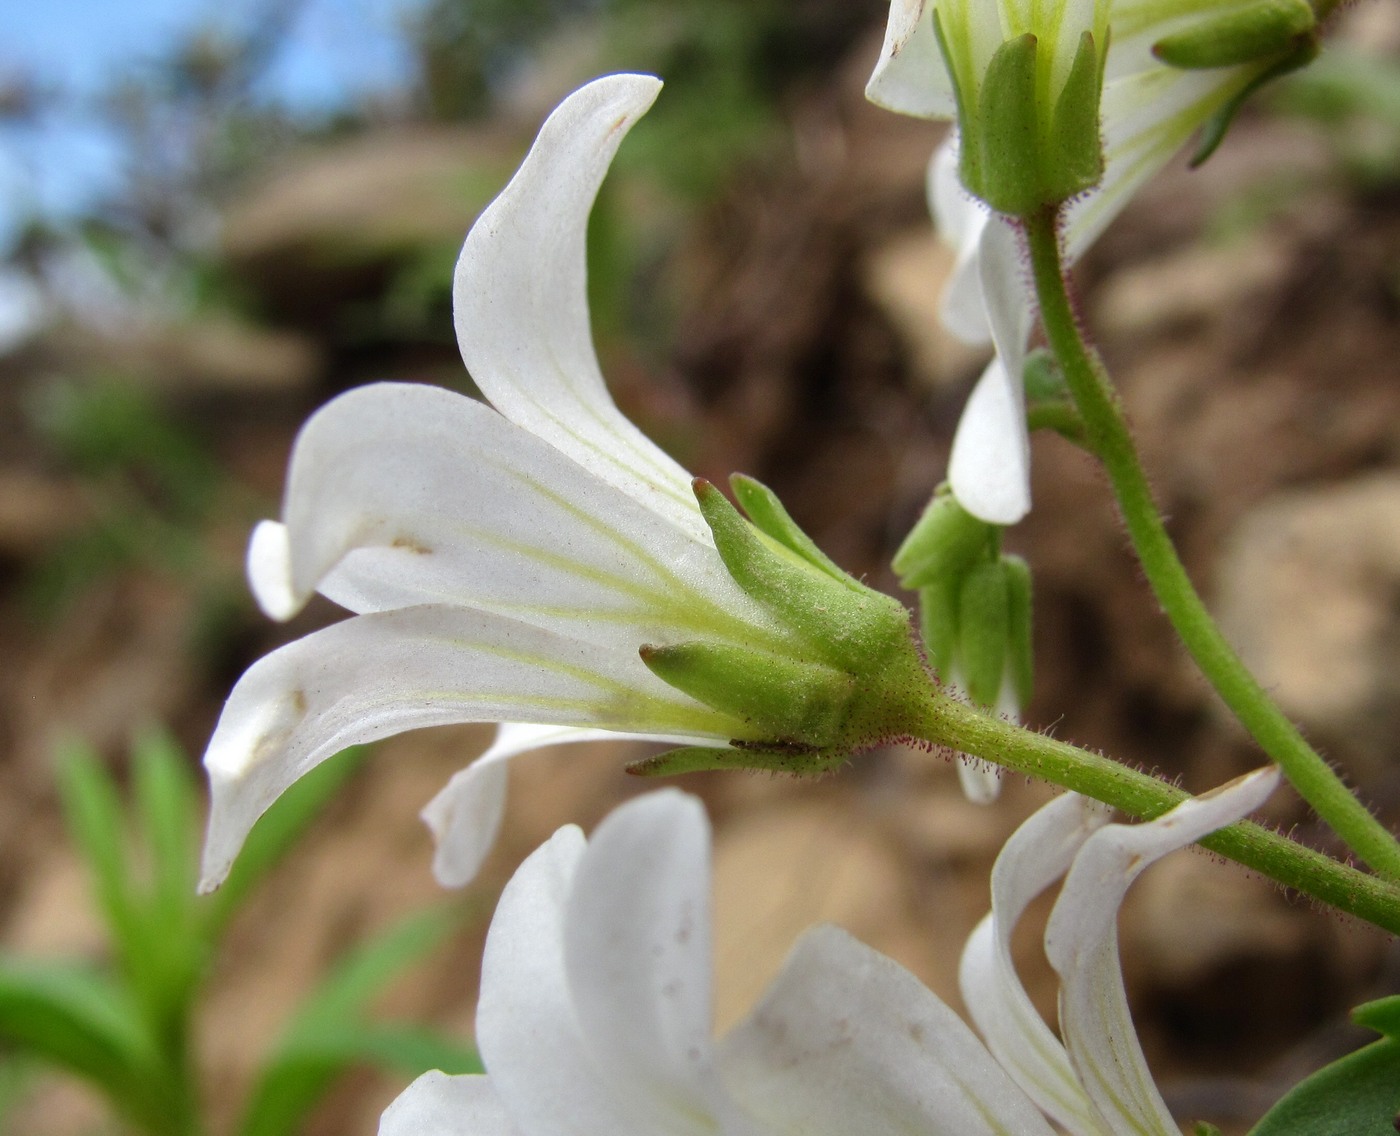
127	1026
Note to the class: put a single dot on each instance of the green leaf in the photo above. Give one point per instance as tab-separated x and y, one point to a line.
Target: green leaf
95	820
277	830
327	1035
307	1070
1358	1095
72	1017
173	950
1382	1015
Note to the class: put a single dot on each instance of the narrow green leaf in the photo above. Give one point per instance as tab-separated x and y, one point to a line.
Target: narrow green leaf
73	1018
277	830
327	1035
307	1071
95	820
168	809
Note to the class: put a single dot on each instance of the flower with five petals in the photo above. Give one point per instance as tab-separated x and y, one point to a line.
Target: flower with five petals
594	1013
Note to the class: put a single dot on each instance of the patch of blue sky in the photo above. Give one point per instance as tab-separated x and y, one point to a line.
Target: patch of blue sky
334	53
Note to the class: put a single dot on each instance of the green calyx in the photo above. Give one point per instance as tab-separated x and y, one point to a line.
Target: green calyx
1025	148
974	603
852	674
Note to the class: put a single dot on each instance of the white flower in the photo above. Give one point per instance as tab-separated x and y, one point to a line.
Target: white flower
594	1014
1149	111
504	565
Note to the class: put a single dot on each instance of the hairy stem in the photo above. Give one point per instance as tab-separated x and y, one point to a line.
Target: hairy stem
946	722
1110	439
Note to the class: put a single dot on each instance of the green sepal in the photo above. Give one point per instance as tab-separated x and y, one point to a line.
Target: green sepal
944	542
850	627
1006	173
1074	157
1250	34
773	757
762	507
1217	125
1205	1128
969	151
983	623
783	698
938	624
1020	646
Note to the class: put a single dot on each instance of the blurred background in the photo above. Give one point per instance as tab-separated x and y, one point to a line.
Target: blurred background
214	217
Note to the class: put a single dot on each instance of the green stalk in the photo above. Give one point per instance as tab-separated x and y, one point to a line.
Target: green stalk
946	722
1108	437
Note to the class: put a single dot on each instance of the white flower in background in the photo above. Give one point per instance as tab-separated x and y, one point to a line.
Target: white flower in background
1149	111
594	1015
504	565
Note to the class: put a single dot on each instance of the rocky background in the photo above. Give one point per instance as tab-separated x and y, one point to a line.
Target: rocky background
765	295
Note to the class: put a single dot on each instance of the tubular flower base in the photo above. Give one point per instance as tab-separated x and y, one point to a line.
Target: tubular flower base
1149	111
594	1013
507	564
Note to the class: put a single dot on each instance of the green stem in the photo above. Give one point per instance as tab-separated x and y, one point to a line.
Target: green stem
1109	437
946	722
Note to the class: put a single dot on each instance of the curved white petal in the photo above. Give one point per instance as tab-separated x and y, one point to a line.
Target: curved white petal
521	304
637	951
1038	853
376	675
540	1063
465	816
270	570
909	76
980	780
439	1105
960	220
989	467
1081	942
1148	116
847	1041
400	494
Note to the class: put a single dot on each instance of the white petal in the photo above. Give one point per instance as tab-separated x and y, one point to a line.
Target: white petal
638	955
1038	853
401	494
439	1105
540	1064
270	570
989	467
521	304
1147	118
909	76
960	219
980	780
466	816
376	675
1081	942
846	1041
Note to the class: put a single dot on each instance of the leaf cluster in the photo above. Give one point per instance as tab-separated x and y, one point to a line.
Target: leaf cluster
127	1027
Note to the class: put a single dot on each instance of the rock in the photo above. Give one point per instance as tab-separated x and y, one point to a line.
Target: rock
327	227
1306	591
1189	288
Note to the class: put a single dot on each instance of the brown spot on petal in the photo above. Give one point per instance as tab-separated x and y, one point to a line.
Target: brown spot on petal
408	544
